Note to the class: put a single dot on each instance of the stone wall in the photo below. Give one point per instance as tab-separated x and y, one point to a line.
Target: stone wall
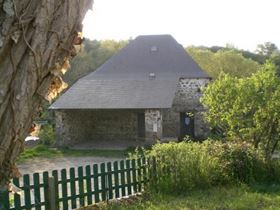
186	99
188	94
170	124
74	126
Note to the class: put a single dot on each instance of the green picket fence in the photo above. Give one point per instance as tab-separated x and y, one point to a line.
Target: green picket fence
77	187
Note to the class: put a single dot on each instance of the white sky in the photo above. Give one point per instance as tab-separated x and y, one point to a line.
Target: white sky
242	23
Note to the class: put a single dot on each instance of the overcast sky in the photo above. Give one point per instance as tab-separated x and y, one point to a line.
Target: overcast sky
242	23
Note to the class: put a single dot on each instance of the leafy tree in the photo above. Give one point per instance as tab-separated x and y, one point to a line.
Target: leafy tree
37	39
246	108
266	49
226	60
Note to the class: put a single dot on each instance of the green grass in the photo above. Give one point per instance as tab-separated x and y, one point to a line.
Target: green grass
219	198
47	152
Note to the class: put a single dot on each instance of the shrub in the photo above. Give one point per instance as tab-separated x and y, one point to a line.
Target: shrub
183	166
239	161
47	135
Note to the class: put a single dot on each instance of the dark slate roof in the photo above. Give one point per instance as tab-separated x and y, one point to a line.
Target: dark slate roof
123	81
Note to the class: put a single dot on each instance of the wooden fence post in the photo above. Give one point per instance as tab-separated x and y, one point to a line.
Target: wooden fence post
4	199
52	194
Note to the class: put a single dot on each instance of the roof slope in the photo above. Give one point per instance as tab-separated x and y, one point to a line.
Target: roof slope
123	81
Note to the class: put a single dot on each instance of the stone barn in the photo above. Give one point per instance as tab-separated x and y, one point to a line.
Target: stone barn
148	91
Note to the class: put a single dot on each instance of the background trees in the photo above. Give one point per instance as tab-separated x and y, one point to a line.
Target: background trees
266	49
227	60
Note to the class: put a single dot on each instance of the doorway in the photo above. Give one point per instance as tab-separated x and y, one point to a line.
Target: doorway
141	125
186	125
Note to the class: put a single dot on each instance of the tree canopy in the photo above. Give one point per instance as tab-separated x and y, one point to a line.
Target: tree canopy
246	108
266	49
229	61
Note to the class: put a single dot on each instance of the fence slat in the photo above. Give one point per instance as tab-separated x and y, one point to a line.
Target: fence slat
27	196
139	174
46	192
122	178
17	201
64	189
37	193
134	178
81	186
116	179
89	188
55	180
96	183
145	172
73	188
4	200
128	176
153	172
110	180
103	182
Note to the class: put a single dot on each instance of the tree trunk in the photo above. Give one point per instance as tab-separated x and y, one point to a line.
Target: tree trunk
37	37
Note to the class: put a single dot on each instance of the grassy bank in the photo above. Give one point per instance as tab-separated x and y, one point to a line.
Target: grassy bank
219	198
42	151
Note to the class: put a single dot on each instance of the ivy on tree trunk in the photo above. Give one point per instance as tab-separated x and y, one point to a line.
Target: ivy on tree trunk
37	39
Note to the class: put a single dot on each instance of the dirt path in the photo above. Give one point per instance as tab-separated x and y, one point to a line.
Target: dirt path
48	164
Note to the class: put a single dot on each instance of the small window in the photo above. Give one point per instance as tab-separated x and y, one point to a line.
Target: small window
152	76
154	49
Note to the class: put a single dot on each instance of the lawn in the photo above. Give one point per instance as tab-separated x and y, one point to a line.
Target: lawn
47	152
219	198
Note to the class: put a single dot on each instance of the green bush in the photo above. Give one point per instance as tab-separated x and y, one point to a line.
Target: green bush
246	108
183	166
47	135
239	161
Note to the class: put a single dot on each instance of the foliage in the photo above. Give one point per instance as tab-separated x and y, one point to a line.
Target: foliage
266	49
275	58
259	58
238	197
181	167
93	54
225	60
246	108
47	135
241	162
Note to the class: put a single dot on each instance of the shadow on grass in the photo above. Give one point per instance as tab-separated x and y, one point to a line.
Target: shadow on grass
48	152
239	197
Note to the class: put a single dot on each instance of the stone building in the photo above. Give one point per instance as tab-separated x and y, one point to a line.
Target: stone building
149	90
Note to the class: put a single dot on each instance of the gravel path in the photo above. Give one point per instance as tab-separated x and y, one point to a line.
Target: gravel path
49	164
